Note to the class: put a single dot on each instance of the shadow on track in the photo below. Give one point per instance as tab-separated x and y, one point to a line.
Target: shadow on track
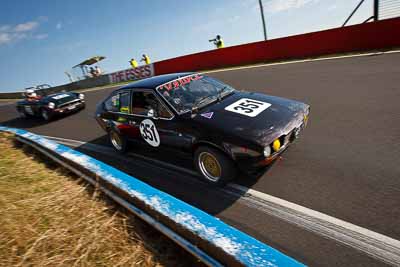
22	123
32	122
171	174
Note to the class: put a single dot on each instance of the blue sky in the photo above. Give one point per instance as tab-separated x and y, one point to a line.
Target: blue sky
39	40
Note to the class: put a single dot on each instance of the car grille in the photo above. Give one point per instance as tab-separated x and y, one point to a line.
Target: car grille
291	136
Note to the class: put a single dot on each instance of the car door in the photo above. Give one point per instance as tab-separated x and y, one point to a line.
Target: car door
118	114
157	124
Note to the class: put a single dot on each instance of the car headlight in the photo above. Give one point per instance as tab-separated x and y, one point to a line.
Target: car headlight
276	145
267	151
51	105
81	96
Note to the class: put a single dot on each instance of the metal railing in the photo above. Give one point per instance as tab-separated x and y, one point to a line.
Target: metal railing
388	9
382	9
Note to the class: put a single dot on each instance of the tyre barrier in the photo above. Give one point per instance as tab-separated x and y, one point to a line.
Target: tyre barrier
210	240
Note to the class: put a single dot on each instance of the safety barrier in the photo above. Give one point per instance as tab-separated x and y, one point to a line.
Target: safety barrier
382	34
212	241
362	37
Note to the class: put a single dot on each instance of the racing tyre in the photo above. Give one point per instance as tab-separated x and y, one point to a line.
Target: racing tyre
46	115
118	142
22	114
215	167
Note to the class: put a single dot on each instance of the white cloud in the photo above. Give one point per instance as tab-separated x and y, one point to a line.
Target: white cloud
4	38
41	36
275	6
332	7
59	26
13	33
26	27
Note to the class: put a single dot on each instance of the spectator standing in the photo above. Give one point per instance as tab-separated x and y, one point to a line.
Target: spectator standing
146	59
133	63
218	42
98	71
92	72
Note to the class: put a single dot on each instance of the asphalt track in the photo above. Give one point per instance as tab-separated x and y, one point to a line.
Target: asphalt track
346	164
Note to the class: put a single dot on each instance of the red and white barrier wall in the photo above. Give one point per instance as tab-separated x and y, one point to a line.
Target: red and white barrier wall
362	37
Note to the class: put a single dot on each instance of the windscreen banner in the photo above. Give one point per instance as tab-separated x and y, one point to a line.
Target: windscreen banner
132	74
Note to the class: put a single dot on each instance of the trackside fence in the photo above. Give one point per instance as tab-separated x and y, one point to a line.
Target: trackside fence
209	239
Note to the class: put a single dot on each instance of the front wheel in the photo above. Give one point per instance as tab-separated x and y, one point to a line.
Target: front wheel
214	166
118	142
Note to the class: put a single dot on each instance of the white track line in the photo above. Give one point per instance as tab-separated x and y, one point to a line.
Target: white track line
376	245
302	61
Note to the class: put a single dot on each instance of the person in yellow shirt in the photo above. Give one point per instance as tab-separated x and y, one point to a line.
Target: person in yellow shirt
133	63
146	59
218	42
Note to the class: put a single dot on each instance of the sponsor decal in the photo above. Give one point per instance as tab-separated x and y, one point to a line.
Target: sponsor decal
149	132
248	107
132	74
207	115
179	82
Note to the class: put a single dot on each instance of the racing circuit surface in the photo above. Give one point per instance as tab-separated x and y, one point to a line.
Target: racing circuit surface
346	163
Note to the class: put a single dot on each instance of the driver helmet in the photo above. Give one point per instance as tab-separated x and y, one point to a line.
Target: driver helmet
30	93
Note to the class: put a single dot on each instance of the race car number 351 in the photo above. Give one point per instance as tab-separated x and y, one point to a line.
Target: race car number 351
248	107
149	132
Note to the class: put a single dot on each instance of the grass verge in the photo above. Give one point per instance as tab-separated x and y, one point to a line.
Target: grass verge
50	217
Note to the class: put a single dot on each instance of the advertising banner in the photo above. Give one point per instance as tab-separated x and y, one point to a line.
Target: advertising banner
132	74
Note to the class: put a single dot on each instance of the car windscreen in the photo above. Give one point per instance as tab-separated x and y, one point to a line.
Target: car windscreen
193	91
60	99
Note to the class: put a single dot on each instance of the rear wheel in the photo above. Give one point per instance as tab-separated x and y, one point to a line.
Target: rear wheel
215	167
118	142
45	115
22	114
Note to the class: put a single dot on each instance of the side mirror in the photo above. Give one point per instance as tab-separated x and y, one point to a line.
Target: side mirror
152	113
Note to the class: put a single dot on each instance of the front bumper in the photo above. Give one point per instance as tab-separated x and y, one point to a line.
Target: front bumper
286	140
256	163
70	108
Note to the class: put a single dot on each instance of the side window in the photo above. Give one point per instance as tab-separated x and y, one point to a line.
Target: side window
124	101
143	102
112	104
118	103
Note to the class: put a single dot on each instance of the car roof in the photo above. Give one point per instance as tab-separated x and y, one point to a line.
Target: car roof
155	81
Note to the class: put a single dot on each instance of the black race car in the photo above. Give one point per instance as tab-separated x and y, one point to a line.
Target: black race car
221	128
48	107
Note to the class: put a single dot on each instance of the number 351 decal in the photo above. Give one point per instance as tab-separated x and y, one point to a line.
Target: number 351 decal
248	107
149	132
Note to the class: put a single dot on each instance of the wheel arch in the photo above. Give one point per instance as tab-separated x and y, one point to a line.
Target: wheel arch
212	145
